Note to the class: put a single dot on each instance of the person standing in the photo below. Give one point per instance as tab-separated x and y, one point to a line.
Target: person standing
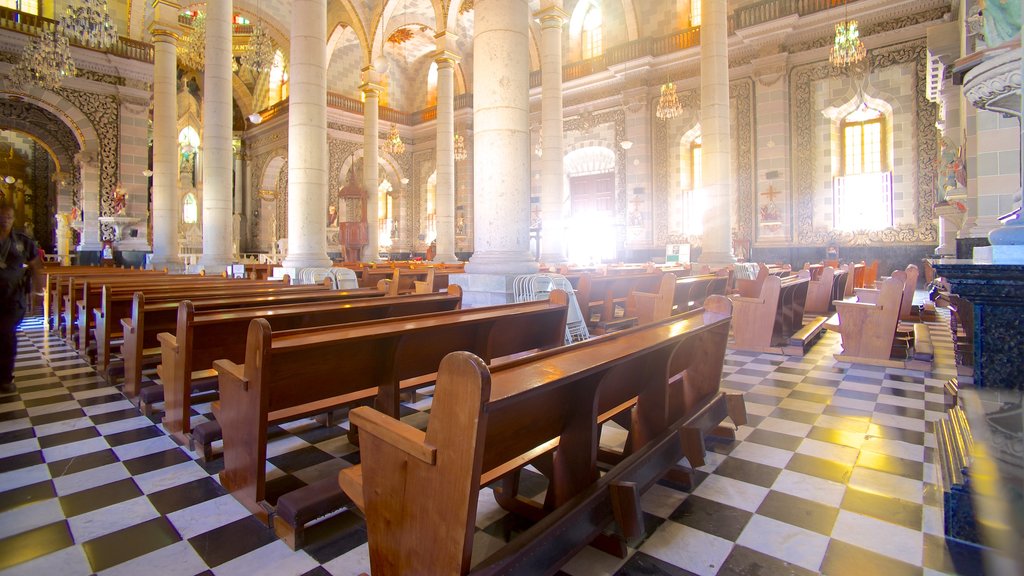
18	256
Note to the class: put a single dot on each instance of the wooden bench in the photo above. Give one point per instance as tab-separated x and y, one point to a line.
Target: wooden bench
675	295
485	423
868	327
115	302
603	299
209	335
140	345
57	286
84	294
773	322
294	374
819	291
408	281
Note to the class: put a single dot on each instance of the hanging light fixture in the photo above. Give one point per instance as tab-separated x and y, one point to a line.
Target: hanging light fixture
393	143
459	148
88	23
192	54
668	104
45	62
847	48
259	54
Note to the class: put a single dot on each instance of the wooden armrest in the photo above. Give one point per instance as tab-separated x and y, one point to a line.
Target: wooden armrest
867	294
126	326
410	440
746	299
226	367
351	482
167	339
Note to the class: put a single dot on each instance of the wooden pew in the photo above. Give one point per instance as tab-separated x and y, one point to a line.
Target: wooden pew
750	288
57	283
293	374
82	295
819	291
906	306
203	337
148	319
486	423
120	298
674	296
868	326
408	281
773	322
601	298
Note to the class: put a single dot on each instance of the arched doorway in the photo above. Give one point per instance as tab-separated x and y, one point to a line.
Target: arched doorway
591	174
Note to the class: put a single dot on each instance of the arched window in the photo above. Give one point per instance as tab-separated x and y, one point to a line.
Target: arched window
695	12
688	211
278	89
27	6
190	209
432	85
591	36
862	193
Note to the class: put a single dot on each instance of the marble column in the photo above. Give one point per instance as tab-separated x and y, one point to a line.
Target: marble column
238	200
371	156
716	164
307	138
501	138
217	157
90	240
165	32
553	194
445	191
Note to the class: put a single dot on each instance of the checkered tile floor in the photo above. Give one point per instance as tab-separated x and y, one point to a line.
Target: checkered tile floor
834	474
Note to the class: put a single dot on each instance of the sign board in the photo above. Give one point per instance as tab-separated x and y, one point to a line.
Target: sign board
677	253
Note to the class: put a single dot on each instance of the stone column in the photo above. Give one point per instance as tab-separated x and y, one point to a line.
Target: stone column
501	170
217	161
445	191
552	196
307	137
238	203
165	32
90	240
371	95
716	163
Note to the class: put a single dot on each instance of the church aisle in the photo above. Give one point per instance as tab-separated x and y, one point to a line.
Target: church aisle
834	474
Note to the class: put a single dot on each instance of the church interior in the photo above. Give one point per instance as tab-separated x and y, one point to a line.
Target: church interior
713	286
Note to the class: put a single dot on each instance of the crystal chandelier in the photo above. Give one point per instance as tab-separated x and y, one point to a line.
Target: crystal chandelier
460	148
45	62
192	53
847	48
393	143
259	54
668	104
89	24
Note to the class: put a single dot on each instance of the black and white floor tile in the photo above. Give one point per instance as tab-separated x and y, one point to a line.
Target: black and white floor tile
832	475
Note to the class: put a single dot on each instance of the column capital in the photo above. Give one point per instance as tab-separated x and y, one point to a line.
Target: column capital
165	20
371	89
551	17
446	58
446	41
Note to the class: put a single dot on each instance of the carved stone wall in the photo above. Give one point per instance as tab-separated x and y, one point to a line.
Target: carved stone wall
666	166
806	149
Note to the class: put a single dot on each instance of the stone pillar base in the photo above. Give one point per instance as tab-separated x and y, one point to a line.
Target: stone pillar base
173	265
717	259
485	289
300	261
502	262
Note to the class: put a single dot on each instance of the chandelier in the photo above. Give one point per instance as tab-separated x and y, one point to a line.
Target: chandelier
460	148
45	61
847	48
668	104
192	53
89	24
259	54
393	143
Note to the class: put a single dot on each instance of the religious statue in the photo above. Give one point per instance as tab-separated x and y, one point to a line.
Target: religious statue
332	216
1002	20
120	201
